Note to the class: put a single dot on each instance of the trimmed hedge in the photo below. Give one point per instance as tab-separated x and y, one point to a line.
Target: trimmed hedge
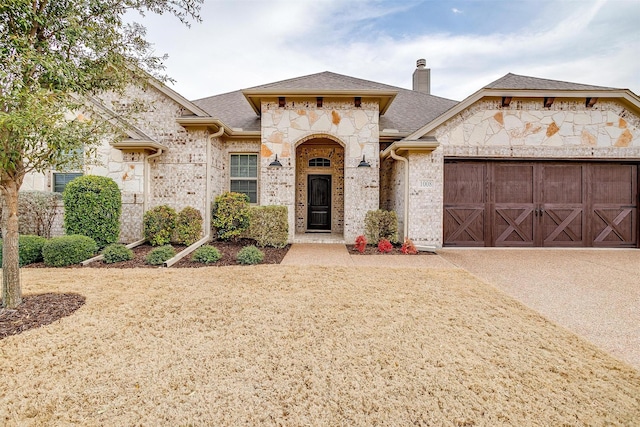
268	226
92	207
230	215
381	224
159	224
250	255
159	255
66	250
116	252
206	255
188	226
29	249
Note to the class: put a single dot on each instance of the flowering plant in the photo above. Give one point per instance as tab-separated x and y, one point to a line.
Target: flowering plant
408	248
385	246
361	243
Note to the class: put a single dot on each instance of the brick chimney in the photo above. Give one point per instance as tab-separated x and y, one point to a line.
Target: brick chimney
422	77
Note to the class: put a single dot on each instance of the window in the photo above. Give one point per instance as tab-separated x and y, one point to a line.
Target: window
244	175
319	162
60	180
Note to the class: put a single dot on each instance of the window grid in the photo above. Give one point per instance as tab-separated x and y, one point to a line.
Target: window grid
244	175
60	180
319	162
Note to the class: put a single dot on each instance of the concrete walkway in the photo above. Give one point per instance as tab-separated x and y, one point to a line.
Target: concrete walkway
594	293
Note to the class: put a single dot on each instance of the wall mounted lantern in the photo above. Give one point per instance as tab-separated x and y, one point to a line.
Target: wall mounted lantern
276	163
363	163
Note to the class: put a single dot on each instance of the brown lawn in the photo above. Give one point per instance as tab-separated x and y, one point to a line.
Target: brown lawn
284	345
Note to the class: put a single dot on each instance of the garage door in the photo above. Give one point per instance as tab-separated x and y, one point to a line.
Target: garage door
526	204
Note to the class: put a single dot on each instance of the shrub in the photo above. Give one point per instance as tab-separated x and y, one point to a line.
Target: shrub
230	215
116	252
92	207
159	255
385	246
250	255
408	248
206	255
37	211
381	224
188	226
361	243
268	226
159	224
66	250
29	249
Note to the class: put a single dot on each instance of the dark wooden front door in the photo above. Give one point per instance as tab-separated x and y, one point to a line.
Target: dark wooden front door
559	204
319	202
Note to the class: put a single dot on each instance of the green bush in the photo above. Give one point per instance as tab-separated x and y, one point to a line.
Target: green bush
250	255
37	210
268	226
159	224
66	250
116	252
29	249
159	255
381	224
206	255
188	226
230	215
92	206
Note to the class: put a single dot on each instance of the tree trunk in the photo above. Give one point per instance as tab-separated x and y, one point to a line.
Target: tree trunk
11	289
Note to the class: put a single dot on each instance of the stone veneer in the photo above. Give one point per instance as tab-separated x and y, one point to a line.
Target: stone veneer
356	129
524	130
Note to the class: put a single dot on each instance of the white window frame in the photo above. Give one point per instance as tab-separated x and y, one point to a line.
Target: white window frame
250	179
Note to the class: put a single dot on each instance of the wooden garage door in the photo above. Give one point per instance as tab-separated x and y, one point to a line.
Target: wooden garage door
526	204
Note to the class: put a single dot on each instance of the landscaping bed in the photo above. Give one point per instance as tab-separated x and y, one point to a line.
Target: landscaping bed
373	250
228	250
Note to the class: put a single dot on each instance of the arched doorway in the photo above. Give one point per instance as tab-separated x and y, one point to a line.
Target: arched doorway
320	186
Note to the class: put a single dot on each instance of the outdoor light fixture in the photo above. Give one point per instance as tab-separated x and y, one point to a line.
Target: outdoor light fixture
364	163
276	163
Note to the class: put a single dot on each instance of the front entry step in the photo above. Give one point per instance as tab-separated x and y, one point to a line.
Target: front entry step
316	237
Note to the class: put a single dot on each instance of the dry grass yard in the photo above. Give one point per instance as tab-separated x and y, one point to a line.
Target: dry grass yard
294	346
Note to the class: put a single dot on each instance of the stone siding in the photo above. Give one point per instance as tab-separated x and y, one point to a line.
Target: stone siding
356	129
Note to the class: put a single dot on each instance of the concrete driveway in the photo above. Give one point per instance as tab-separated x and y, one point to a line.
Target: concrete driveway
594	293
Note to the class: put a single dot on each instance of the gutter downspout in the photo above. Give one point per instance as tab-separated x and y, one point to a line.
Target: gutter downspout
394	156
207	209
147	179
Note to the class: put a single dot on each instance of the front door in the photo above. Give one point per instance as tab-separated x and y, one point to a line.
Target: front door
319	202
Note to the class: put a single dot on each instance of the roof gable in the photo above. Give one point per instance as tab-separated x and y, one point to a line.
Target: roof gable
408	111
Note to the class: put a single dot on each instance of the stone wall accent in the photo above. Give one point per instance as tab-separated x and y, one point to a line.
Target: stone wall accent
285	128
426	196
525	129
335	154
392	190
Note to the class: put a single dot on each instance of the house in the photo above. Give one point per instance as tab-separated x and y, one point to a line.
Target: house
522	162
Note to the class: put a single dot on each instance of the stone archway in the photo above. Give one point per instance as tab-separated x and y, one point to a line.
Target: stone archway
318	159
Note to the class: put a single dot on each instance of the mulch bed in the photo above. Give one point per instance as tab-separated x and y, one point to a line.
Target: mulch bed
373	250
229	251
36	311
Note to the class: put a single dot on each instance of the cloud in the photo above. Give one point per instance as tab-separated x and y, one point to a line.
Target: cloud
245	43
456	11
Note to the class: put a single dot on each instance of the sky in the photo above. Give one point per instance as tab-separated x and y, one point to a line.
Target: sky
467	43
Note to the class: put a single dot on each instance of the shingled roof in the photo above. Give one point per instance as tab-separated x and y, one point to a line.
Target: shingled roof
516	82
409	111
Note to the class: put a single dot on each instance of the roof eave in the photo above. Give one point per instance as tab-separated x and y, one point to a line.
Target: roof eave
215	125
255	95
129	144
